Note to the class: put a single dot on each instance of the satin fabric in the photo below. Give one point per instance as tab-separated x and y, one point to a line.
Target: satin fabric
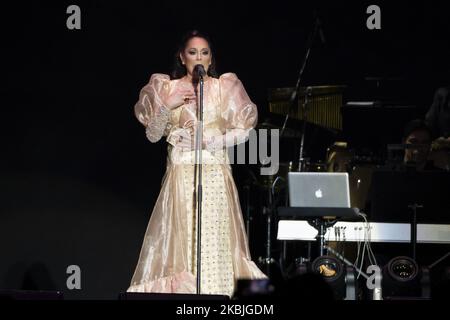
167	261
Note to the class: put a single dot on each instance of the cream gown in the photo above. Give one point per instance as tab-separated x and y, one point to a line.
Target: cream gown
167	262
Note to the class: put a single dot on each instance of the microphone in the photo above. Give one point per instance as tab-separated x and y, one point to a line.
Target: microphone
199	70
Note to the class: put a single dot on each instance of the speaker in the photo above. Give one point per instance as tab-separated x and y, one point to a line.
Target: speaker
171	296
30	295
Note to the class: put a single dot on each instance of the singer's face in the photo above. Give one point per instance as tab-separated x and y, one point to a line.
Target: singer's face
197	51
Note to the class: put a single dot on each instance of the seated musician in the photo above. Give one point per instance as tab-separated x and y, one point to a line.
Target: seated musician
389	200
418	138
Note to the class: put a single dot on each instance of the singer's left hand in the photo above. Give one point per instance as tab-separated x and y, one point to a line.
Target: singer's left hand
186	141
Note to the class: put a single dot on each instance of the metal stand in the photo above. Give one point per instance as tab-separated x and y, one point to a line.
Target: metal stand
301	161
248	216
414	207
198	173
268	260
297	85
269	211
439	260
321	225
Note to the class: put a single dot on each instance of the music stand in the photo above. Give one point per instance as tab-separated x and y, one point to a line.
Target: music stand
316	217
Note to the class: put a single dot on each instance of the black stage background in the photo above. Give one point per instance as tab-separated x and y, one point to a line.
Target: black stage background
78	179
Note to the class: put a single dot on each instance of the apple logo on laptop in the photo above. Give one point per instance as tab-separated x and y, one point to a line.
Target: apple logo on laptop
319	193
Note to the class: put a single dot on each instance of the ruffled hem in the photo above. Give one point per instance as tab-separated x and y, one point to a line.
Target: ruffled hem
248	270
183	282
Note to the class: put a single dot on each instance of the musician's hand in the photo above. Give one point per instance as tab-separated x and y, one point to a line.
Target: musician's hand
441	143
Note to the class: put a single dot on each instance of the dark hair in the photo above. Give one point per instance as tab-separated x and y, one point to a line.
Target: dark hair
416	125
179	70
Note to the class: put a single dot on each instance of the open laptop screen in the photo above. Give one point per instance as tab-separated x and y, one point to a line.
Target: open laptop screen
319	189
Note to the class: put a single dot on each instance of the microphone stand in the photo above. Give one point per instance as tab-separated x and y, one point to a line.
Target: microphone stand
198	169
301	161
295	92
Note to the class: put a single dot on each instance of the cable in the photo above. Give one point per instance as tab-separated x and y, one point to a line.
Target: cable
439	260
347	262
364	247
358	242
343	242
274	184
369	247
362	261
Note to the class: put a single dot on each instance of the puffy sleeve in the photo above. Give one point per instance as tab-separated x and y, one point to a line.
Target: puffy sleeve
238	113
150	109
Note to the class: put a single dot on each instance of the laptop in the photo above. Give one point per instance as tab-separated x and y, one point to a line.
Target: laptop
319	189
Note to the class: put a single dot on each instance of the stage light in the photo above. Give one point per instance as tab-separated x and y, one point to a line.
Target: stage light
341	278
403	269
404	279
329	267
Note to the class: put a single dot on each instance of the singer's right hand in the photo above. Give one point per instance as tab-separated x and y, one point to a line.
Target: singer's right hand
179	97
